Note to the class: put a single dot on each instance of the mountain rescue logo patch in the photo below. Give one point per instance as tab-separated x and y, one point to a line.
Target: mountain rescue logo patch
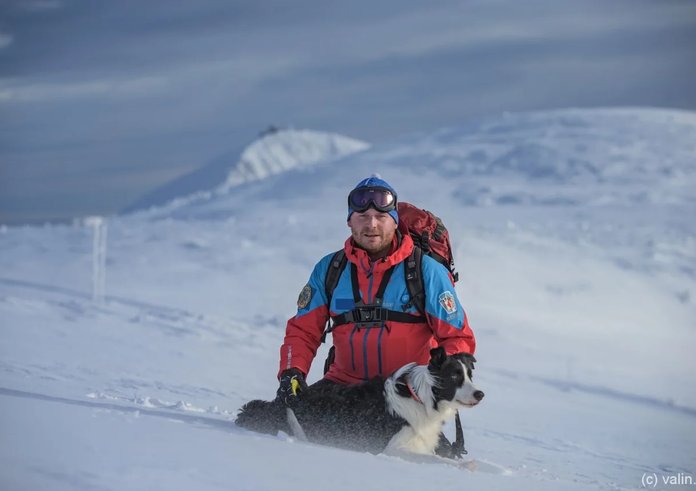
305	297
448	303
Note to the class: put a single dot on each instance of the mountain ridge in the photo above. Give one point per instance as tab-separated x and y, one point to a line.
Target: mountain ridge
274	151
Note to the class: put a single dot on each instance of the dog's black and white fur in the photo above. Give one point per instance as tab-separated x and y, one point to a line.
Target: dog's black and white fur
403	413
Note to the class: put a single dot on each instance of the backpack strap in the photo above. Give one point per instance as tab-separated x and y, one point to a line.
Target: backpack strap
336	267
355	285
413	271
338	264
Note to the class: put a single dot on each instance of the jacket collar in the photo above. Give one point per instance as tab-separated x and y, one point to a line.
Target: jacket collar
401	249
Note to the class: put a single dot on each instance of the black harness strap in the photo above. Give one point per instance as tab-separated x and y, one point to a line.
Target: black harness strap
354	283
372	314
383	285
375	315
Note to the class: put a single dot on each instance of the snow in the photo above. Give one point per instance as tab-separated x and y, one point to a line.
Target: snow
282	150
576	246
274	151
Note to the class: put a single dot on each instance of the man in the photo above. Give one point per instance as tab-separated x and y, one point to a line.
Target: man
376	327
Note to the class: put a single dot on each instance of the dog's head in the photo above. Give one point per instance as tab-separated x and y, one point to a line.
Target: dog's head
453	378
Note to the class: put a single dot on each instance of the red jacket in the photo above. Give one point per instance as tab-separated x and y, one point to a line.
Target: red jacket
365	352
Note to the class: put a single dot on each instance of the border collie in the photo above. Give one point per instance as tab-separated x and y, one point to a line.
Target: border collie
403	413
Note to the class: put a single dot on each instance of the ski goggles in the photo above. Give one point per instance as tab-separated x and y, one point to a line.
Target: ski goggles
381	199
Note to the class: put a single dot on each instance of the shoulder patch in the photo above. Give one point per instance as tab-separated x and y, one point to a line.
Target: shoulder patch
448	303
305	297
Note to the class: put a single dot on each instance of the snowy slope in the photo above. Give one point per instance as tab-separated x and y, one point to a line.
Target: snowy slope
576	248
282	150
275	151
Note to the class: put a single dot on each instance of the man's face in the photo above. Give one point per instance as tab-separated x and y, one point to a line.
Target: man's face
373	230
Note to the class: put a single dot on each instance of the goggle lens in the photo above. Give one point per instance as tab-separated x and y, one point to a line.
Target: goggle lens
362	198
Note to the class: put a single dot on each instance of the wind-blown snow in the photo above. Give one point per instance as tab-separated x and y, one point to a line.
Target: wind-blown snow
575	242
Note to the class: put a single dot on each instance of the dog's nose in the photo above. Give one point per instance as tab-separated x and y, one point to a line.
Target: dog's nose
478	395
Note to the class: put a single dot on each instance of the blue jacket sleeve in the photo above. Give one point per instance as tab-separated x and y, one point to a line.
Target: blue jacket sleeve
304	330
445	313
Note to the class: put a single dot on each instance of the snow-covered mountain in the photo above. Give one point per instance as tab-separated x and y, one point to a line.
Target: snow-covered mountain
282	150
274	151
575	242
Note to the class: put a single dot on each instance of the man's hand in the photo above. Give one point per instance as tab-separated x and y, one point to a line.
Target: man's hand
292	383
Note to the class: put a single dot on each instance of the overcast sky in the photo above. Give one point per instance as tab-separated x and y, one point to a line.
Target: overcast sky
101	101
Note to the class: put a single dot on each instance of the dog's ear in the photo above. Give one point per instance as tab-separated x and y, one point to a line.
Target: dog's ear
437	357
466	358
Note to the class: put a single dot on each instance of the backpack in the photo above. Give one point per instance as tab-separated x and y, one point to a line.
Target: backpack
430	238
429	234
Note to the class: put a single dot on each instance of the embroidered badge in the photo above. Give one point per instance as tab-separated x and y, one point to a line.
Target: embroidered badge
305	297
448	302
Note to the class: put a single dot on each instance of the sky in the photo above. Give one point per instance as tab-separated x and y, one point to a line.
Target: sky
101	102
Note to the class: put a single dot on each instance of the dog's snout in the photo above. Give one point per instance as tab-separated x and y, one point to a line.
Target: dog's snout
478	395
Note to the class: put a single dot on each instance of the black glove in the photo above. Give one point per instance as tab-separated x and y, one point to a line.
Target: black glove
292	383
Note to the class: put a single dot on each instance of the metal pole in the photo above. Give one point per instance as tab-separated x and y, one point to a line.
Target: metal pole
99	229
